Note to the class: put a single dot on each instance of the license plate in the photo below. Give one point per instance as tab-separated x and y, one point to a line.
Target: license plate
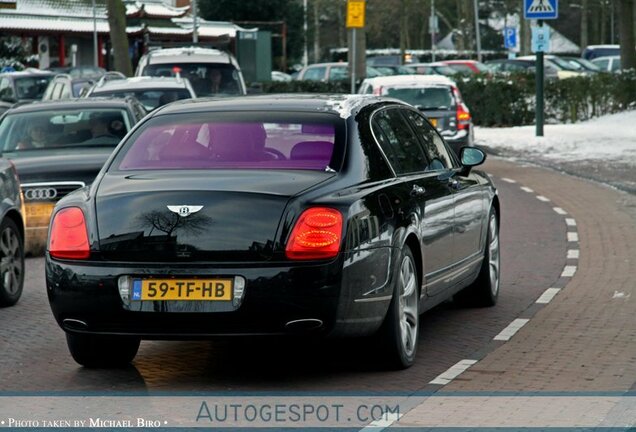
182	289
433	122
41	209
38	214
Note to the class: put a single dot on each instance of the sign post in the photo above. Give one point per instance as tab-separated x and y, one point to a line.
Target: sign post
355	20
540	10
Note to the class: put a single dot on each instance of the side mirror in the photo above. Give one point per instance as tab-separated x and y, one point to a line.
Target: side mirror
470	157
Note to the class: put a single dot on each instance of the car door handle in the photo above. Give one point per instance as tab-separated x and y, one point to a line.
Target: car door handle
453	183
417	191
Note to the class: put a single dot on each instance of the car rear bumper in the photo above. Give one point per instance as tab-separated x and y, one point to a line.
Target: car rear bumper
85	298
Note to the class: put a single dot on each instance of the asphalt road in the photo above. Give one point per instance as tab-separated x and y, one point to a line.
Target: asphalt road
34	356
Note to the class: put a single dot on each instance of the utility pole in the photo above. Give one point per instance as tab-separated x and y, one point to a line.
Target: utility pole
433	26
477	35
195	22
95	56
305	55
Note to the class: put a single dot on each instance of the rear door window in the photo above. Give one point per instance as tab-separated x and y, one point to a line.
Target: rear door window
436	150
398	142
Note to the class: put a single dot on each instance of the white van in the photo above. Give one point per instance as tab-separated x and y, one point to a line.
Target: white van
210	71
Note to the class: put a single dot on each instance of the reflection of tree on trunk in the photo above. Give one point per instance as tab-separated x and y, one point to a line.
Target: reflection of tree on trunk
169	223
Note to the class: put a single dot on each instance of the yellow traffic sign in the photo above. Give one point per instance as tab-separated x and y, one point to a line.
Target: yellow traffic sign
355	13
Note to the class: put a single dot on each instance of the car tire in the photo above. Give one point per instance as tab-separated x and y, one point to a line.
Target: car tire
11	263
400	329
94	351
484	291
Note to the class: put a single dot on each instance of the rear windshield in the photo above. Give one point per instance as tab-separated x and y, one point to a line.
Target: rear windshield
150	98
235	141
207	79
63	128
32	87
439	97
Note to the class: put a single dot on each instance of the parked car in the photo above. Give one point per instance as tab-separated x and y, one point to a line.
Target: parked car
24	86
594	51
436	96
152	92
435	68
11	236
211	72
392	60
330	72
608	64
508	66
581	64
467	67
59	146
281	76
305	214
64	86
564	69
395	70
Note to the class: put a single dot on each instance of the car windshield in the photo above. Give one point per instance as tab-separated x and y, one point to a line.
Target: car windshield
439	97
207	79
150	98
63	128
32	87
233	141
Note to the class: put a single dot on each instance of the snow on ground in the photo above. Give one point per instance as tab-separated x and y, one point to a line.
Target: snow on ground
607	138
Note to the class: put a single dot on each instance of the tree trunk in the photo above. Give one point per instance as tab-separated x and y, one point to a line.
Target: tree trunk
626	34
317	55
118	37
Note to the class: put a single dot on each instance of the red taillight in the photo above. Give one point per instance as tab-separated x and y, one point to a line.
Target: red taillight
377	91
463	116
317	235
69	236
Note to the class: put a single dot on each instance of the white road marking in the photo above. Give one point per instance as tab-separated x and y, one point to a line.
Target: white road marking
570	222
620	295
573	254
382	423
548	295
507	180
573	237
453	372
527	189
512	328
560	211
568	271
542	198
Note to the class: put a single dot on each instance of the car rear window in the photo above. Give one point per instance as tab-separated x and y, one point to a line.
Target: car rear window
150	98
32	87
438	97
207	79
235	141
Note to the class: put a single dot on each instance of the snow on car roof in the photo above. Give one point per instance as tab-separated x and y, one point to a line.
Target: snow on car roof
410	80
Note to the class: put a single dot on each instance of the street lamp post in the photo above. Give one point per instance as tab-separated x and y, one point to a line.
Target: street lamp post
477	35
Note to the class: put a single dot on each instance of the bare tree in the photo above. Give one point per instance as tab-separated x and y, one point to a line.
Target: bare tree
118	37
626	33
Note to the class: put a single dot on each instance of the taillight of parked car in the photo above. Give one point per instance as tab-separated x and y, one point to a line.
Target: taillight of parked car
316	235
69	236
463	114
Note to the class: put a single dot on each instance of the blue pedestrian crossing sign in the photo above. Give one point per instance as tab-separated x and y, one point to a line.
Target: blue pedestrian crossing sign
541	9
510	37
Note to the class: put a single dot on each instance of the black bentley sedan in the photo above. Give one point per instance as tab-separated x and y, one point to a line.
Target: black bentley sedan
327	215
59	146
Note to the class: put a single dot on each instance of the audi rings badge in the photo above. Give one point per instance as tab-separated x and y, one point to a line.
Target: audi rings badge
40	194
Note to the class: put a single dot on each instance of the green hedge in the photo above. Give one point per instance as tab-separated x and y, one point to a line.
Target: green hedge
510	100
